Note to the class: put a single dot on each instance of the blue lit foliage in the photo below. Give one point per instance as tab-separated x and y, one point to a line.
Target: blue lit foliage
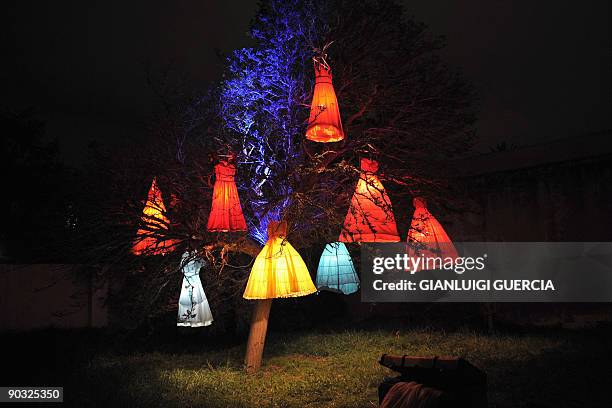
264	102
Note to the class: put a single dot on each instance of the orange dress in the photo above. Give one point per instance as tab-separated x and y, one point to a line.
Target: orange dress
153	219
370	217
226	212
324	124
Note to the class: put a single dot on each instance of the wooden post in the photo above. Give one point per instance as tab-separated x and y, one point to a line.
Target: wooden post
257	335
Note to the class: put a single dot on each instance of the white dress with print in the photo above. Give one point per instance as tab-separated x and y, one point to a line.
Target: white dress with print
193	309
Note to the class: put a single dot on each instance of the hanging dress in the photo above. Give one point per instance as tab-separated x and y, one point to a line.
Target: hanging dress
336	272
426	236
226	212
370	217
193	308
154	219
279	270
324	123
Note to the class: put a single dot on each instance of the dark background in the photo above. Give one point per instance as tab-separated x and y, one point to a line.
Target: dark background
542	69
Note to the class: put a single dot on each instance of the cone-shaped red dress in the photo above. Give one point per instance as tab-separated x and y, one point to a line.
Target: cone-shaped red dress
225	212
426	235
370	217
154	217
324	124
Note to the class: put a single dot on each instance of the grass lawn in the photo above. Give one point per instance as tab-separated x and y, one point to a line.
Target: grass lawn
340	369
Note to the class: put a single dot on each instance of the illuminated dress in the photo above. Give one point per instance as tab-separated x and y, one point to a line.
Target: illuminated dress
336	272
226	212
426	235
193	309
154	219
324	123
370	217
279	270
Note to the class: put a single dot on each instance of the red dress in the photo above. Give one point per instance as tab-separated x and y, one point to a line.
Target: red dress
427	236
370	217
324	124
226	212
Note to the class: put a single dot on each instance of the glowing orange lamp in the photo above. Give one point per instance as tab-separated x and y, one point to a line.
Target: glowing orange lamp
370	217
226	212
324	124
426	235
154	219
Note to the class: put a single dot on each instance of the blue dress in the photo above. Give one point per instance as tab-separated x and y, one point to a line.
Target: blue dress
336	272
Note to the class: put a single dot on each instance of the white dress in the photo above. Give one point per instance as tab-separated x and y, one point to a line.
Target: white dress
193	309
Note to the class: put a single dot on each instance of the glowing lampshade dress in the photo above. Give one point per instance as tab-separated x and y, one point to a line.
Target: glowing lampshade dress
154	216
370	217
226	212
426	235
336	271
324	123
279	270
193	309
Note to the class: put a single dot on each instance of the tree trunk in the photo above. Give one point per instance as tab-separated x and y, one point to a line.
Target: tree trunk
257	335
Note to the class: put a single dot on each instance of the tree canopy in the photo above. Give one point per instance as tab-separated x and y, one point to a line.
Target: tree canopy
400	103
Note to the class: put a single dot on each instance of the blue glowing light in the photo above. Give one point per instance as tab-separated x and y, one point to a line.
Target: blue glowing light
262	104
336	272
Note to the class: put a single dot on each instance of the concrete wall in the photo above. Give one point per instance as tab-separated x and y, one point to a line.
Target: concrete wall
559	191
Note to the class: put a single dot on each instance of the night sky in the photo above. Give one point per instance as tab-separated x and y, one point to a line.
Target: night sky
542	68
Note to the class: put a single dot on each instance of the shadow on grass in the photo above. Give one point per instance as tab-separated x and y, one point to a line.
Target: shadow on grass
325	367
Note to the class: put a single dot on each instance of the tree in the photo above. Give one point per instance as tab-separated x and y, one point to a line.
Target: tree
400	104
